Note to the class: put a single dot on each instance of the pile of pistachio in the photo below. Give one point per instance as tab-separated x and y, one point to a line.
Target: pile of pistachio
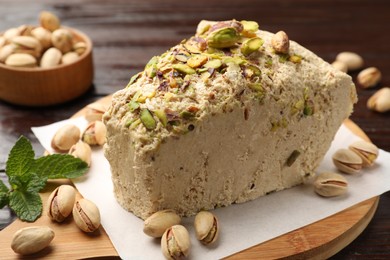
61	203
350	161
367	78
44	46
175	239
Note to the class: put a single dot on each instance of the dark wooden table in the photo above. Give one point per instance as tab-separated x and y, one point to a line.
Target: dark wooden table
126	34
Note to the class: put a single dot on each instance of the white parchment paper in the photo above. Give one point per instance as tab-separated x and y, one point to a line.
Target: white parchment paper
242	225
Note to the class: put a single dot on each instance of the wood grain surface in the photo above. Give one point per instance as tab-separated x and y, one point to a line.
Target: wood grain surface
126	34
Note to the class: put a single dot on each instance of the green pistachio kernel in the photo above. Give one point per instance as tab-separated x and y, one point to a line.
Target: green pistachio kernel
256	87
252	71
223	38
161	116
215	64
295	58
133	105
134	123
133	79
183	68
151	67
251	45
250	26
235	60
147	119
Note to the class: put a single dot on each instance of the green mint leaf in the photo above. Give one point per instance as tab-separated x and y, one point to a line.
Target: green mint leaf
4	194
21	158
58	166
30	182
26	205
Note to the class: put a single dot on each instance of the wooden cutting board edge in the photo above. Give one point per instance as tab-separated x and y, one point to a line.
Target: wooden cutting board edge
318	240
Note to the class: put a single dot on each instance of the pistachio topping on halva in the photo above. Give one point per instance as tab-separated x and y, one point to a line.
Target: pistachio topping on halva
225	65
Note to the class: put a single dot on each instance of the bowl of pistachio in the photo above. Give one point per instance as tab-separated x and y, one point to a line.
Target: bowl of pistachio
44	65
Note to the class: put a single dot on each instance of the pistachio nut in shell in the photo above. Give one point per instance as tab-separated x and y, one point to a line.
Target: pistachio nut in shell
25	29
206	227
10	34
21	60
43	36
353	60
366	150
329	184
2	41
369	77
60	203
65	137
62	40
79	47
51	58
175	242
95	111
69	57
6	51
30	240
82	151
86	215
95	133
156	224
49	21
347	161
280	42
380	101
27	44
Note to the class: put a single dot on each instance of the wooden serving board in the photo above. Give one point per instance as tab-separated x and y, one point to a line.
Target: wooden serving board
319	240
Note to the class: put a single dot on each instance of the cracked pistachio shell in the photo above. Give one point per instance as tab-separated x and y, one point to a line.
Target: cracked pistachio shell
82	151
206	227
27	44
60	202
21	60
43	36
94	112
329	184
51	58
223	38
95	133
367	151
65	137
62	40
86	215
6	51
30	240
380	101
175	242
347	161
49	21
156	224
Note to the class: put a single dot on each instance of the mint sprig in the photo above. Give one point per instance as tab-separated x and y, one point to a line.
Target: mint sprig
27	176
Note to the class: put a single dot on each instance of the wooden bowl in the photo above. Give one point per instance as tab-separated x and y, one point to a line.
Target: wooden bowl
48	86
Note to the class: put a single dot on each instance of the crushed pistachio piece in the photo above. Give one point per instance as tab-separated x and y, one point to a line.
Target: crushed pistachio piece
151	67
134	78
215	64
256	87
197	61
161	116
135	123
235	60
147	119
133	105
183	68
251	45
223	38
295	58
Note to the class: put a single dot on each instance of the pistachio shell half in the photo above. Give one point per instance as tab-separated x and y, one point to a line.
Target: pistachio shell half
157	223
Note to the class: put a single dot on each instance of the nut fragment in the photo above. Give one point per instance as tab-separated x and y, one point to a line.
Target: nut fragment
60	202
367	151
206	227
280	42
49	21
353	60
175	242
30	240
339	65
329	184
82	151
380	101
51	57
347	161
95	133
369	77
156	224
65	137
86	215
21	60
62	40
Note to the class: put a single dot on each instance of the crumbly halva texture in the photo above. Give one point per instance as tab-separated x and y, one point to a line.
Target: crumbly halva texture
221	118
